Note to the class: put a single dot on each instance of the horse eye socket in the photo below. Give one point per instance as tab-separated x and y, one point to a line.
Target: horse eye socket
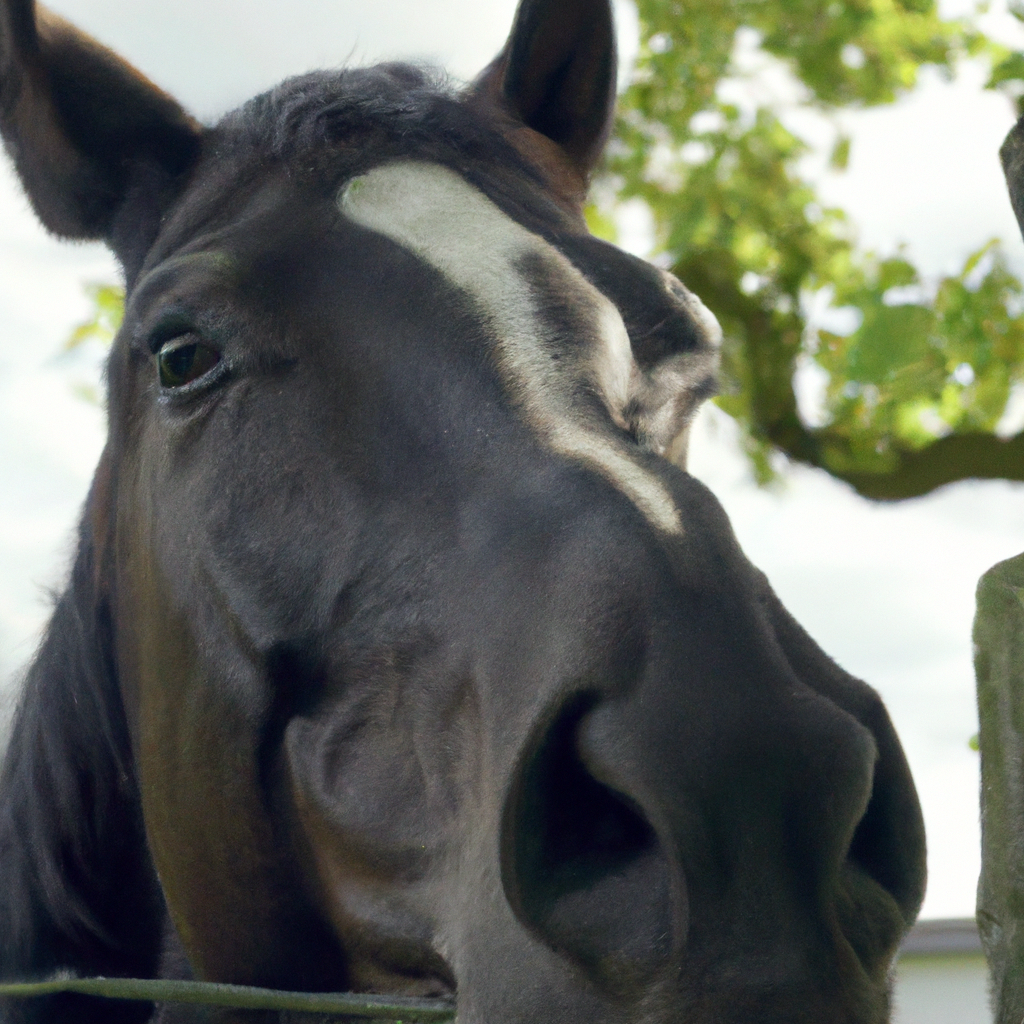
181	364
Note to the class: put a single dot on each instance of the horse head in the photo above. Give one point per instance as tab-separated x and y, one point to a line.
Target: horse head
401	653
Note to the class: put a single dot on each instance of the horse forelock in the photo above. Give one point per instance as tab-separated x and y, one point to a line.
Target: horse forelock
329	125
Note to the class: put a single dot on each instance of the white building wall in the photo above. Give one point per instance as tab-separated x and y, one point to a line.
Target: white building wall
941	989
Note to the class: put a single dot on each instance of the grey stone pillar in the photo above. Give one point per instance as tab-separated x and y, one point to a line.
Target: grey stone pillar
999	664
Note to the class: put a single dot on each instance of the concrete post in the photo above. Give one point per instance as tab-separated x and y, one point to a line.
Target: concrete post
999	665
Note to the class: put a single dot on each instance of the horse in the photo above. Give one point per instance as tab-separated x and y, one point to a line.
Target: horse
400	653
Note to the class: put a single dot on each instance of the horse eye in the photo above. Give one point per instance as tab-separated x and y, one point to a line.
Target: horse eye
180	364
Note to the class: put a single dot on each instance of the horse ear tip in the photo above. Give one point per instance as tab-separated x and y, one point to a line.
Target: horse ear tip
556	75
83	126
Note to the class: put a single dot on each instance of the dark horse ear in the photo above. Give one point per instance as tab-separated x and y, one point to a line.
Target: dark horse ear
87	132
556	75
1012	155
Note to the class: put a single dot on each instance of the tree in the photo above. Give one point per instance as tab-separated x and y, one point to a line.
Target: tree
916	391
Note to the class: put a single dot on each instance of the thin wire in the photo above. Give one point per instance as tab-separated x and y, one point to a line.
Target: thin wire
242	997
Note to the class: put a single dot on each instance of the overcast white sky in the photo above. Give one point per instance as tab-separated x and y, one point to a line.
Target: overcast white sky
888	591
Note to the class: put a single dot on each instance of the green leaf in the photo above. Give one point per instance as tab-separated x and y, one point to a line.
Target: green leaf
600	223
107	314
1007	70
840	158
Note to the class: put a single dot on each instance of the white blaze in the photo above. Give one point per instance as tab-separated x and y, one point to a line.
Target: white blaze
436	214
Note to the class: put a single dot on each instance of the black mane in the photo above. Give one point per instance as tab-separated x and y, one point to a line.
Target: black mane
72	841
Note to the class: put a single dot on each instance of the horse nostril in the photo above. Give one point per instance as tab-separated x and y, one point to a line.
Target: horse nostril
888	843
582	868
